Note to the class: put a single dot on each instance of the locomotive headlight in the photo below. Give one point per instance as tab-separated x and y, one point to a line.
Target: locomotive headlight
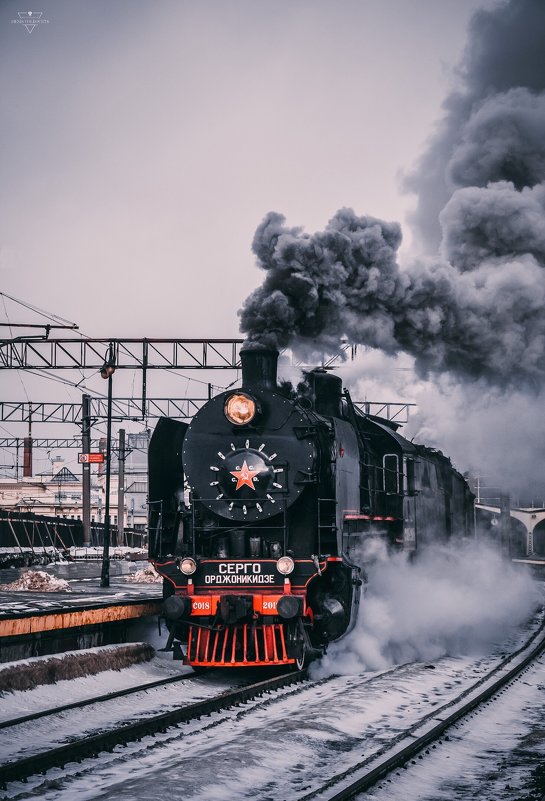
289	606
285	565
239	409
188	566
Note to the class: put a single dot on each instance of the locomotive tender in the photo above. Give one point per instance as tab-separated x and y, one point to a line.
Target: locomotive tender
258	566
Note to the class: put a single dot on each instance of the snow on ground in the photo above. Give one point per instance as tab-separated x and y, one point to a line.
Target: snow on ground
36	581
498	754
280	750
115	552
146	576
47	550
69	690
38	735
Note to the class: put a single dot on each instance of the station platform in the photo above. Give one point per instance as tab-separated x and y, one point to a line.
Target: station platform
535	564
39	623
30	612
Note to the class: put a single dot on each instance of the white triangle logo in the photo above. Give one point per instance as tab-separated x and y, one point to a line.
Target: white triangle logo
29	14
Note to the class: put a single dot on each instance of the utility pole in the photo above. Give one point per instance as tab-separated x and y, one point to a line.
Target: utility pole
505	524
121	489
86	476
108	369
27	447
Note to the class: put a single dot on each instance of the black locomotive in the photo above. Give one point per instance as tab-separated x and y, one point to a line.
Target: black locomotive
259	560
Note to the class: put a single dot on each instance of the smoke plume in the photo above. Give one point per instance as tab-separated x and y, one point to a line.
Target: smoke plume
502	78
454	600
475	309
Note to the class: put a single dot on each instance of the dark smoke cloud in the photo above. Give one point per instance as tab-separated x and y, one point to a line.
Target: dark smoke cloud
484	320
486	223
504	52
315	285
476	310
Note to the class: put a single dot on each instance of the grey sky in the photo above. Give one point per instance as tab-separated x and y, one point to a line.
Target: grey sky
143	142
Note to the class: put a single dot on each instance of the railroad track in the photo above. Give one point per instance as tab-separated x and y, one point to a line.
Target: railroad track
134	732
21	769
356	778
429	729
5	724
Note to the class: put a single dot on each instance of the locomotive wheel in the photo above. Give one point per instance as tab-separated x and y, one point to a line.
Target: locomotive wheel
302	661
299	646
308	656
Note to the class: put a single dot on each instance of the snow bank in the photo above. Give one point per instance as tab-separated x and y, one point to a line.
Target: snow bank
36	581
146	576
29	673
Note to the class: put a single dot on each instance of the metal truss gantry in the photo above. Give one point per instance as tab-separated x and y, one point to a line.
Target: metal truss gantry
131	354
52	444
131	409
42	353
122	409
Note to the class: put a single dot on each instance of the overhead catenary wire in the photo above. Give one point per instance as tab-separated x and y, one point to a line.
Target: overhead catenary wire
42	312
82	384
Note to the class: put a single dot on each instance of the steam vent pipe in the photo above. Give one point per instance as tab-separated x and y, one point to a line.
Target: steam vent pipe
327	391
259	367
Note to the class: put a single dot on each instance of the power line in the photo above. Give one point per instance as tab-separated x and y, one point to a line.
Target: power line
42	312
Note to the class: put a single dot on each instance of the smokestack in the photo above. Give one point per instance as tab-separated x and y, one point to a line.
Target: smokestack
259	367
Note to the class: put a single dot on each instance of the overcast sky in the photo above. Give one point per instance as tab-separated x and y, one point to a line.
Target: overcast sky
143	142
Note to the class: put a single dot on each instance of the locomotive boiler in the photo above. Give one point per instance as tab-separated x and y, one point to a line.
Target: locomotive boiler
259	506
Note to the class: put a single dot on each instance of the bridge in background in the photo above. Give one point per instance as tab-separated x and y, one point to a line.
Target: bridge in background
530	518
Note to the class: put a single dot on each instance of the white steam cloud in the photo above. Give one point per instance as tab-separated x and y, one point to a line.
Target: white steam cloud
453	600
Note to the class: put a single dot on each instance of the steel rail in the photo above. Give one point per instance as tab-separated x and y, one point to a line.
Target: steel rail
21	769
410	743
5	724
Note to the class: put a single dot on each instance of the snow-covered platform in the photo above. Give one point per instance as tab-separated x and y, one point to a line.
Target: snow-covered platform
34	622
25	605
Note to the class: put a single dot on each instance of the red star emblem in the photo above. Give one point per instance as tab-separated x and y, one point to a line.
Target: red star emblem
244	476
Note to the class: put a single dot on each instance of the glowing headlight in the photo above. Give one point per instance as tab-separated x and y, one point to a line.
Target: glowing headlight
285	565
239	409
188	566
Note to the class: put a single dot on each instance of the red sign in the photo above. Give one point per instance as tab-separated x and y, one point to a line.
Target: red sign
90	458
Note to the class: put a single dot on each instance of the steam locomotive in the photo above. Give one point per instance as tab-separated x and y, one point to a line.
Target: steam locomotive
259	560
